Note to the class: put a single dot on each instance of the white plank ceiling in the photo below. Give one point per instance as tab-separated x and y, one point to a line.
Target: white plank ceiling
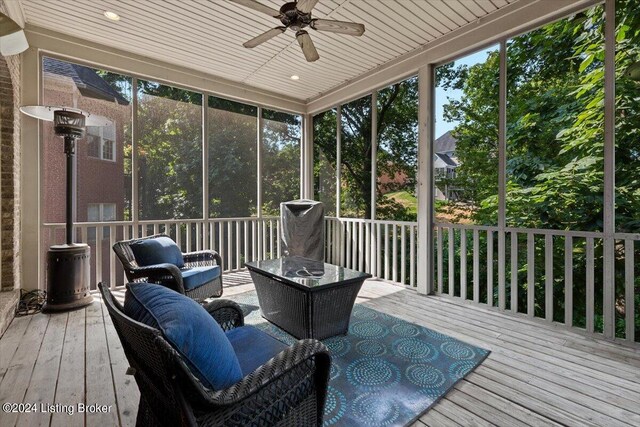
208	35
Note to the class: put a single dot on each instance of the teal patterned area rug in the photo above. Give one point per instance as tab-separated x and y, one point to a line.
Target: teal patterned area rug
385	371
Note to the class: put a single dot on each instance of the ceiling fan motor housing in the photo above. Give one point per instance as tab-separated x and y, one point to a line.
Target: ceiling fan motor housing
292	18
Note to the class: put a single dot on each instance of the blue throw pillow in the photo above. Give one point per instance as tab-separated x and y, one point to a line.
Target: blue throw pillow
157	251
189	329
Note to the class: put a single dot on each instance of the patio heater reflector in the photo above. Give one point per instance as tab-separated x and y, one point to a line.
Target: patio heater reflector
68	265
302	229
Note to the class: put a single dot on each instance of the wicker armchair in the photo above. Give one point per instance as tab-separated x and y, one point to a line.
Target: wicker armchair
168	274
289	389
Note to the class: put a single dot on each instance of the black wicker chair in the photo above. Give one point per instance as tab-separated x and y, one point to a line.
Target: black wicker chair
168	274
288	390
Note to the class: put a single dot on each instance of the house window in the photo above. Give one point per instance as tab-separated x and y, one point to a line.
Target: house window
100	212
101	141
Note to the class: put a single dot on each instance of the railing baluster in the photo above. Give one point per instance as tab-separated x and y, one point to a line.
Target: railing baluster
440	262
367	245
125	236
463	263
490	268
263	226
221	249
245	249
403	255
354	245
238	258
112	257
590	299
278	239
530	274
229	245
271	248
568	280
412	256
254	239
548	277
451	267
98	243
476	266
514	272
629	308
378	250
386	251
394	250
187	226
348	244
360	246
198	236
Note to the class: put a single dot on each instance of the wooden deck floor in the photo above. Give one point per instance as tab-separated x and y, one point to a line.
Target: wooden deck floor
536	375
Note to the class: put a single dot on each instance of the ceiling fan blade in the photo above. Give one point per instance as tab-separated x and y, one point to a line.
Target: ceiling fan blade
308	48
350	28
305	6
253	4
264	37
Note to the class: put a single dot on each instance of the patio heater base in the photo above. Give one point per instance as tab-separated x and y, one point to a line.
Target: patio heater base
68	273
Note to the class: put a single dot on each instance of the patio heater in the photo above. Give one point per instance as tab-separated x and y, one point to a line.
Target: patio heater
68	265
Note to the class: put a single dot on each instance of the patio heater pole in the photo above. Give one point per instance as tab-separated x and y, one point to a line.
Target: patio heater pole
70	151
69	264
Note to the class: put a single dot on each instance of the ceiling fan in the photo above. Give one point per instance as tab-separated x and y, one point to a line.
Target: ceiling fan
296	15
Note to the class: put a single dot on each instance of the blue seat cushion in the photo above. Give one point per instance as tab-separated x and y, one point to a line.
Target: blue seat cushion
198	276
159	250
253	347
189	328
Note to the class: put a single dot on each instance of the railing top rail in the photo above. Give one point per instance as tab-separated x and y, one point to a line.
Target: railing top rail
371	221
159	221
542	231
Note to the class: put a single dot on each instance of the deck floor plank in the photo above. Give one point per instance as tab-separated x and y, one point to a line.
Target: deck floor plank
127	394
99	380
71	378
10	341
16	380
42	387
505	338
537	374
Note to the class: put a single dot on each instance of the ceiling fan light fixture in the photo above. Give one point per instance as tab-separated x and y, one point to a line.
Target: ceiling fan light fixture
111	15
296	15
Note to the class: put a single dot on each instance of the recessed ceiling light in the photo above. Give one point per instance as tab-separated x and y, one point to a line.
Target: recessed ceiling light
295	77
112	15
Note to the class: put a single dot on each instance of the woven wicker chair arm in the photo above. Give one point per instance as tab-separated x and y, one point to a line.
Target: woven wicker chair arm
275	368
226	312
161	271
201	258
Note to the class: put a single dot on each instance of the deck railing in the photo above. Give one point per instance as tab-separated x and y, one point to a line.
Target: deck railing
236	240
385	249
554	275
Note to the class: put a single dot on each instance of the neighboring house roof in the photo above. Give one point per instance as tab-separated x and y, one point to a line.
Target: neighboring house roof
88	82
448	160
446	143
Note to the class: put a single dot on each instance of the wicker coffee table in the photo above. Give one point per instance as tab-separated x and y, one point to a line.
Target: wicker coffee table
306	298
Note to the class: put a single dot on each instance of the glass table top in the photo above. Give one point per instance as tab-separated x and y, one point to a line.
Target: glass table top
307	272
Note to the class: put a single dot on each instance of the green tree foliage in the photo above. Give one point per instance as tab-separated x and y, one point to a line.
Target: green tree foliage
397	148
281	162
170	152
233	160
555	139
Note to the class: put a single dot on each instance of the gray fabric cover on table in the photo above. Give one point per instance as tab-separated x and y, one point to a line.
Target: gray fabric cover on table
302	231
